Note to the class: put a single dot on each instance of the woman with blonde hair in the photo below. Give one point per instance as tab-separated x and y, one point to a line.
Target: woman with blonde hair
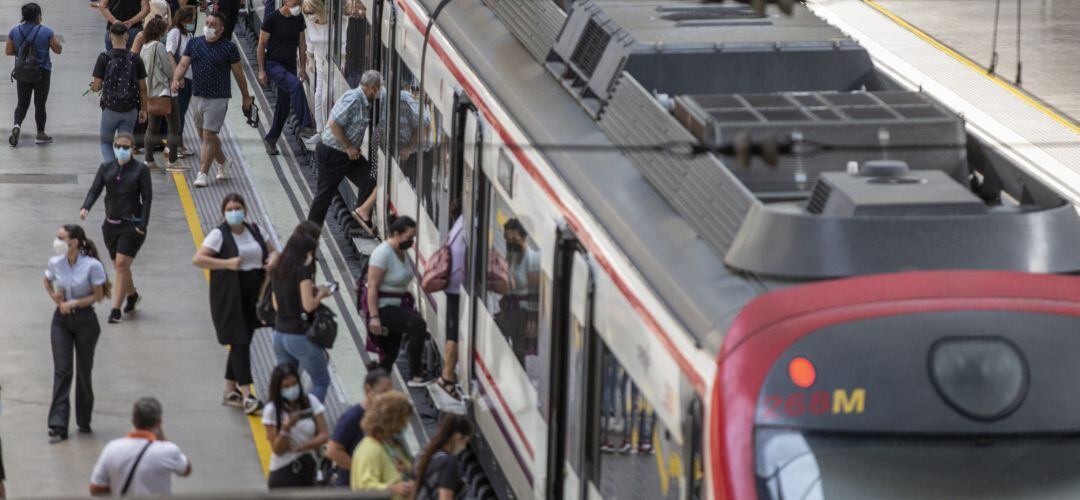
381	461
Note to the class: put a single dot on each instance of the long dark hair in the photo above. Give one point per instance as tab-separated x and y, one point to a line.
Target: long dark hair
87	248
399	225
276	378
294	255
31	12
183	14
451	424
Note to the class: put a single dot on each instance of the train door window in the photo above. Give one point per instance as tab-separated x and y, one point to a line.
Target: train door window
435	181
638	458
408	122
514	285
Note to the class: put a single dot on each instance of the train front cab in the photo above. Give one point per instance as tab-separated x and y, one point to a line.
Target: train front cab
911	385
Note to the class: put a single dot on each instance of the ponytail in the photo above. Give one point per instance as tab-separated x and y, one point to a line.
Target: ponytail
451	424
87	248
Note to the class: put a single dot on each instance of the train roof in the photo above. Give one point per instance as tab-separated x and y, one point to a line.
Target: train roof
704	237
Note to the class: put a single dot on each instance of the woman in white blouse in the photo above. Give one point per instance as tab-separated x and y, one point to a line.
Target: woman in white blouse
318	44
75	280
237	256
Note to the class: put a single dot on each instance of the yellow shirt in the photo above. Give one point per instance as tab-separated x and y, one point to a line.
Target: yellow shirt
374	469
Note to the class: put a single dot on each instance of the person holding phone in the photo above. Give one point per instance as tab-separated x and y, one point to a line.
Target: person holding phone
238	257
295	426
296	296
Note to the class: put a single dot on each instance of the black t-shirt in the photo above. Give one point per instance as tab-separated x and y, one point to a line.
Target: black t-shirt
123	10
285	33
289	306
103	62
443	471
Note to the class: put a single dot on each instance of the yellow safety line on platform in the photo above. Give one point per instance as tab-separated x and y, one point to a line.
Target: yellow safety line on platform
1005	84
192	216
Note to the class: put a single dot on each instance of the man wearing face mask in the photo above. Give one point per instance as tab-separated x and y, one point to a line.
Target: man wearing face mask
143	463
211	58
338	155
128	194
282	35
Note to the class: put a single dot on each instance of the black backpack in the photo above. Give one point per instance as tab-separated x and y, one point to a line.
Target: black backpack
119	88
27	69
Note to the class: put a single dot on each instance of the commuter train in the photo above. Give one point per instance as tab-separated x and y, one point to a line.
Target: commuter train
715	253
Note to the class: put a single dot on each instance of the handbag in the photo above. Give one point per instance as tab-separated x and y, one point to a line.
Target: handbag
437	275
264	308
160	105
499	279
322	327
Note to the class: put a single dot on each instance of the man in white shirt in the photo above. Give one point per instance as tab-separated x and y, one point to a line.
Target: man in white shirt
141	464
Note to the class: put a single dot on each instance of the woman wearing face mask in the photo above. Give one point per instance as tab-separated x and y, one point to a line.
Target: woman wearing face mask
295	426
381	461
439	472
75	279
318	46
182	29
390	310
159	70
238	257
295	296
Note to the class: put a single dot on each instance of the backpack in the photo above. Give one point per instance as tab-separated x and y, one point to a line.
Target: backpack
322	327
119	89
27	68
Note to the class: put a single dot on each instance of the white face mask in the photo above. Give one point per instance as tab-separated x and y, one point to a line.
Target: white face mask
60	246
381	94
209	32
294	11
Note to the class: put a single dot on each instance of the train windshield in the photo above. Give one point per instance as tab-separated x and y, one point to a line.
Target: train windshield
813	465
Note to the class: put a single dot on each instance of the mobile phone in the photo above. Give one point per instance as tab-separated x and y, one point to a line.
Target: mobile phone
307	412
332	286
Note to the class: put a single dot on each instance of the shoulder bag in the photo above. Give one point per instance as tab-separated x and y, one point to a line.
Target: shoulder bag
322	327
131	474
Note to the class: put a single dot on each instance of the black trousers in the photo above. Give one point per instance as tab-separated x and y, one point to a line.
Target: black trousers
73	334
40	92
334	166
402	325
299	473
238	364
153	134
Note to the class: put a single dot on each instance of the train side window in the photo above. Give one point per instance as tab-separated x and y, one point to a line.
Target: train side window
351	39
435	182
514	284
408	122
638	458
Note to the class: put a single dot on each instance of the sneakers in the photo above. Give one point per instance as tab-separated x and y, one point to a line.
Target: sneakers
233	398
252	405
271	148
418	382
132	301
115	316
200	180
174	167
223	170
182	152
14	139
42	138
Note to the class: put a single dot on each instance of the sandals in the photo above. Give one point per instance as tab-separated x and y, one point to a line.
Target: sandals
366	224
450	388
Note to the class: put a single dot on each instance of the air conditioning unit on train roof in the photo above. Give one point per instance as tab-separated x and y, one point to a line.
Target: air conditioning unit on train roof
683	47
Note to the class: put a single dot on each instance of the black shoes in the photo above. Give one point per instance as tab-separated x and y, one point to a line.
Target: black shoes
132	301
57	436
85	430
14	138
115	316
271	147
42	138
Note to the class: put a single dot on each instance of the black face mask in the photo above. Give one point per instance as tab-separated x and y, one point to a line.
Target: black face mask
512	247
405	245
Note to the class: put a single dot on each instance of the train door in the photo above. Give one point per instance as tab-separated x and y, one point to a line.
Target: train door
468	136
570	443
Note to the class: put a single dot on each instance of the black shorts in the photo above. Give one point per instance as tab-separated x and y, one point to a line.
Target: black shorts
122	239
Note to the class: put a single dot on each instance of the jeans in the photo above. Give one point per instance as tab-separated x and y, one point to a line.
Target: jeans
40	92
75	335
290	95
111	123
334	166
131	34
295	348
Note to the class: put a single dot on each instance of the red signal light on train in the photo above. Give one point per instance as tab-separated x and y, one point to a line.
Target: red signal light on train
802	372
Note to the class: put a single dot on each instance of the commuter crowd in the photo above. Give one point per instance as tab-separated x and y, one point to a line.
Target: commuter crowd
153	73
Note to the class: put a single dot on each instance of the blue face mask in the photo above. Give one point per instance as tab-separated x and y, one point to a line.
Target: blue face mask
189	27
234	217
291	393
122	155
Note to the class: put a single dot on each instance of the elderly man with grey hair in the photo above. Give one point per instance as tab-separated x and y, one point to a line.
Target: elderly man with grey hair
143	462
338	153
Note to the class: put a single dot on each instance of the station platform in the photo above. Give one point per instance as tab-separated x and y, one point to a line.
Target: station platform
168	348
932	51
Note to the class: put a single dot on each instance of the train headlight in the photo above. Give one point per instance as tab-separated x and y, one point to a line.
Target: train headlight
982	378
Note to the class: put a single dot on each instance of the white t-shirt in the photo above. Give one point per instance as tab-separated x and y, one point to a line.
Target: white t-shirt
300	433
170	45
251	254
153	477
399	273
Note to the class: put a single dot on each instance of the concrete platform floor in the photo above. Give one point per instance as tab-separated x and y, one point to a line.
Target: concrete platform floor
167	350
1050	44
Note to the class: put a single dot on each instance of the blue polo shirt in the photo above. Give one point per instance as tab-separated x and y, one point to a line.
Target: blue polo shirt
40	35
211	66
